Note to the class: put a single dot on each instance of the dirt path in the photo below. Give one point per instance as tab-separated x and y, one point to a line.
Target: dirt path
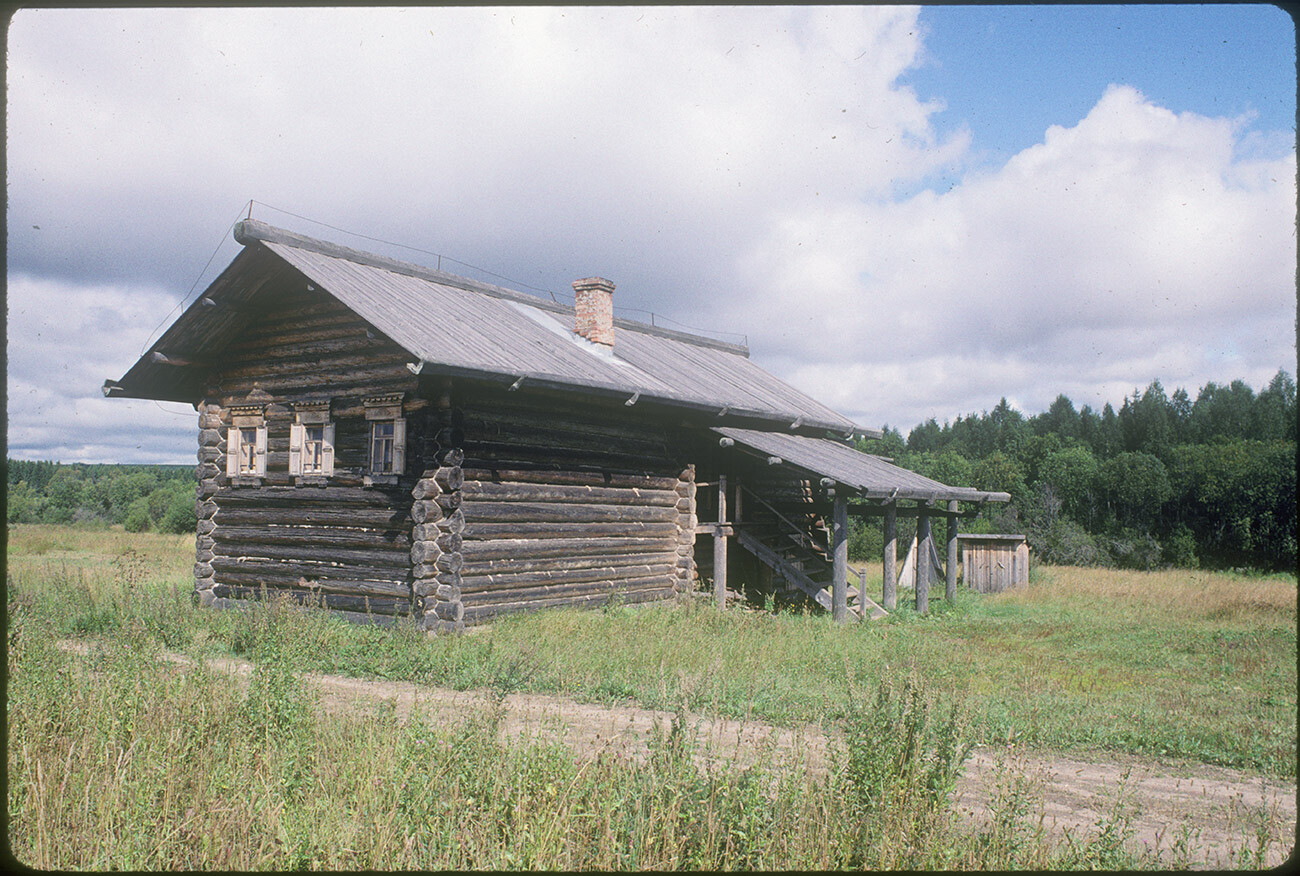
1215	809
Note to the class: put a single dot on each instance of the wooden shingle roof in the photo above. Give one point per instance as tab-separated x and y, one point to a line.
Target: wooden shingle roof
460	327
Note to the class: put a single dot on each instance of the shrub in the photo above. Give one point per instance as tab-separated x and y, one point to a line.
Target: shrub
137	516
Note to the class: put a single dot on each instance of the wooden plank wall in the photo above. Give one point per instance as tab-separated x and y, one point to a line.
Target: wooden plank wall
340	544
995	566
565	504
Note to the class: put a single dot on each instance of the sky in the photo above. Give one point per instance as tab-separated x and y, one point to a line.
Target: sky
905	212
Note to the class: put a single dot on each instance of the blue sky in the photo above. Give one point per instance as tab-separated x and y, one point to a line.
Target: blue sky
1007	73
910	213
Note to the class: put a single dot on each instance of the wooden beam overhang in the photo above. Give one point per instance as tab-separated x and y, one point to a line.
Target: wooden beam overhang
180	362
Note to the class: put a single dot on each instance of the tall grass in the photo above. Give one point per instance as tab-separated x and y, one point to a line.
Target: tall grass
1196	665
120	761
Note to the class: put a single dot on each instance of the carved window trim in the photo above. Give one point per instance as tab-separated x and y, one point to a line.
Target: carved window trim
386	444
246	446
311	443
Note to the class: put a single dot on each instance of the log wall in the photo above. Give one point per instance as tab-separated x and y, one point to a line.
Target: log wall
335	542
563	504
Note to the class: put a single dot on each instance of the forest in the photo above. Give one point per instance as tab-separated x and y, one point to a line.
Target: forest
1167	480
142	498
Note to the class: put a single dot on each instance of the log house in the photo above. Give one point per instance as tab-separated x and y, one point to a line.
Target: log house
389	441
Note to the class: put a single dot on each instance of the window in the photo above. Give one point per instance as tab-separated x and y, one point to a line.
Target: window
387	457
246	443
311	441
381	446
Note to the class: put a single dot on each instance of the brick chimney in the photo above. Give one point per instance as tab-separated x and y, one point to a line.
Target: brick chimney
594	310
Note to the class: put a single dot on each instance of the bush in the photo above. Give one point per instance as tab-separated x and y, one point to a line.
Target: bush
1135	550
1180	548
137	516
179	516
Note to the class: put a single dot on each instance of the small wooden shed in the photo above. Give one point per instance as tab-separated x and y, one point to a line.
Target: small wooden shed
993	563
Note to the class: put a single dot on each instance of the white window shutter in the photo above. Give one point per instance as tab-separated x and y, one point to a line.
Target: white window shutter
259	463
327	451
296	435
232	452
399	446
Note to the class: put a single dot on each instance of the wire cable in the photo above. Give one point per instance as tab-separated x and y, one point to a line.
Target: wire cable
195	285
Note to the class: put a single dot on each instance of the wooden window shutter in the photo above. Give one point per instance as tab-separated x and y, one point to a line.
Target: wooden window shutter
296	435
327	451
399	446
232	452
259	460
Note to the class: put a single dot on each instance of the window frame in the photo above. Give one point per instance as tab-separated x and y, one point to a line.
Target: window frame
384	411
307	416
244	466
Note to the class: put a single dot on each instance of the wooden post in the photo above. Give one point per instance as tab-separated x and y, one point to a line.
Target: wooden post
840	580
862	594
889	589
720	547
924	544
950	583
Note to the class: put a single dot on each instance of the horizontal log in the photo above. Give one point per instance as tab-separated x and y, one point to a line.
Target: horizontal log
585	478
290	570
510	565
367	518
210	454
453	522
510	581
425	552
207	488
556	547
202	569
552	591
204	527
387	557
481	454
543	512
292	496
448	611
479	613
436	589
438	566
515	491
397	539
449	478
506	420
451	457
387	605
625	528
204	509
424	510
341	586
426	487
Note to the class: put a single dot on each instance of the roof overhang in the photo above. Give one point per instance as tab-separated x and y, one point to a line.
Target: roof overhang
861	474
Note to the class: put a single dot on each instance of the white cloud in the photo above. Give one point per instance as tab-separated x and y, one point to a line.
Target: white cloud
731	168
1134	245
64	341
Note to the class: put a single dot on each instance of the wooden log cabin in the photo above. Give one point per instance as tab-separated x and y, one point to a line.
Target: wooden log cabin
390	441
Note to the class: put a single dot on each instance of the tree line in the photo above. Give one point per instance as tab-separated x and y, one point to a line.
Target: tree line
139	497
1164	481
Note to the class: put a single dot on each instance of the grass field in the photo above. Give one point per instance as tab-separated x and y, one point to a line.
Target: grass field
117	760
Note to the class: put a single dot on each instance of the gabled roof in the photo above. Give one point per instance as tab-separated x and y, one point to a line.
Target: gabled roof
461	327
869	476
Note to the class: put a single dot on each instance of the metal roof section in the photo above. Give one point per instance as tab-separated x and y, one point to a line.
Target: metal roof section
460	327
869	476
